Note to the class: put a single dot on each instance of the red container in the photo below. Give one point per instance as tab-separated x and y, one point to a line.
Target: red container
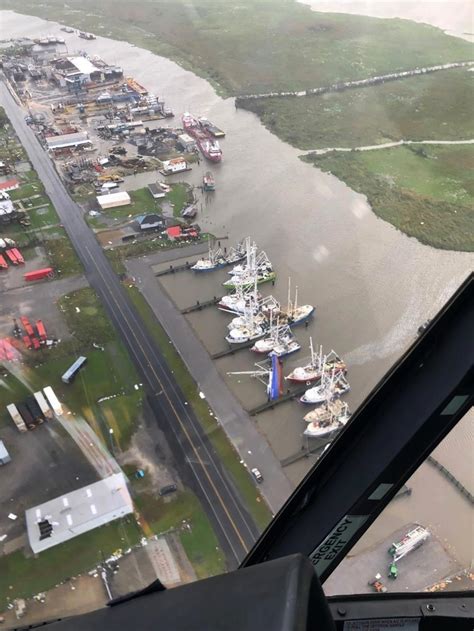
18	255
41	329
39	274
11	256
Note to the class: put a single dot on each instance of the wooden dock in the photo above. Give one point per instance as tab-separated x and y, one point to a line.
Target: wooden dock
269	405
201	305
233	349
175	268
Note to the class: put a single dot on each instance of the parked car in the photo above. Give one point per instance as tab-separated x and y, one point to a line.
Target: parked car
257	475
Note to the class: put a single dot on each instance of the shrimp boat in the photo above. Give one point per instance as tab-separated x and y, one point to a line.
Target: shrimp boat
214	260
282	346
331	387
327	422
236	254
246	328
247	279
295	314
217	259
237	301
208	182
314	370
279	342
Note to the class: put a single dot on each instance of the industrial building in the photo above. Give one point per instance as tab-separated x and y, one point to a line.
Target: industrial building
65	141
4	455
113	200
75	513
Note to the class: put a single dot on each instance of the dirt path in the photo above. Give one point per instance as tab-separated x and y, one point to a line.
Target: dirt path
387	145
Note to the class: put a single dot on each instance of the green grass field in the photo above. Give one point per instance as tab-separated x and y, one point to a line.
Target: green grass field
25	576
427	192
199	540
432	107
255	504
257	45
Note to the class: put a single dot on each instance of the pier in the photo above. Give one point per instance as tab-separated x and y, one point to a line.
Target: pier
175	268
231	350
269	405
201	305
449	476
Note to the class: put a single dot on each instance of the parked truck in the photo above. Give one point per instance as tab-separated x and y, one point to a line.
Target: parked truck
43	404
39	274
16	417
53	400
26	415
35	410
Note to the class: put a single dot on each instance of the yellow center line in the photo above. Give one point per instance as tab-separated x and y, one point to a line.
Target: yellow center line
183	427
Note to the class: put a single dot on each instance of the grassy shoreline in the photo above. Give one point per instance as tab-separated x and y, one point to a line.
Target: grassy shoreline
427	192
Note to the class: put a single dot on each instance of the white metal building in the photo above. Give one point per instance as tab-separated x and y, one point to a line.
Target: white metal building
113	200
67	140
75	513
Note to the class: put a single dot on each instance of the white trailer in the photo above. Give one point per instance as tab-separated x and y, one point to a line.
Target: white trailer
412	540
53	400
43	405
17	418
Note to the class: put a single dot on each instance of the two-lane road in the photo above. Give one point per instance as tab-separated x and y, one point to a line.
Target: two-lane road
200	464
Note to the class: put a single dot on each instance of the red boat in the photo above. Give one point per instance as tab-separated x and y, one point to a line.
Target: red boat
209	147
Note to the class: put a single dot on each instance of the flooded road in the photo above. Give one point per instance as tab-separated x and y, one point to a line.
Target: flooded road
372	285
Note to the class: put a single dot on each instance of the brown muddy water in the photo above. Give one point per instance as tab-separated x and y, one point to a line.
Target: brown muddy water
372	285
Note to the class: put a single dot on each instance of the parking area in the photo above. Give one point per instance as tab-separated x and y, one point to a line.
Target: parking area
45	463
38	301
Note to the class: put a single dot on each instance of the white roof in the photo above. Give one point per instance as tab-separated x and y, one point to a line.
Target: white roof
67	140
83	65
79	511
113	198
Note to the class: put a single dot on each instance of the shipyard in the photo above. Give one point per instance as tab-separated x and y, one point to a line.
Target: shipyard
162	212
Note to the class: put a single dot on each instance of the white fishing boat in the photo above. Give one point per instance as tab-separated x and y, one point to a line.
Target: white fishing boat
327	422
332	385
236	254
215	260
286	347
279	342
236	302
336	408
296	314
247	280
247	327
255	269
244	334
313	370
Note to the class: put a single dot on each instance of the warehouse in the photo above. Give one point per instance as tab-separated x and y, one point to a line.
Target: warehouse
113	200
64	141
75	513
